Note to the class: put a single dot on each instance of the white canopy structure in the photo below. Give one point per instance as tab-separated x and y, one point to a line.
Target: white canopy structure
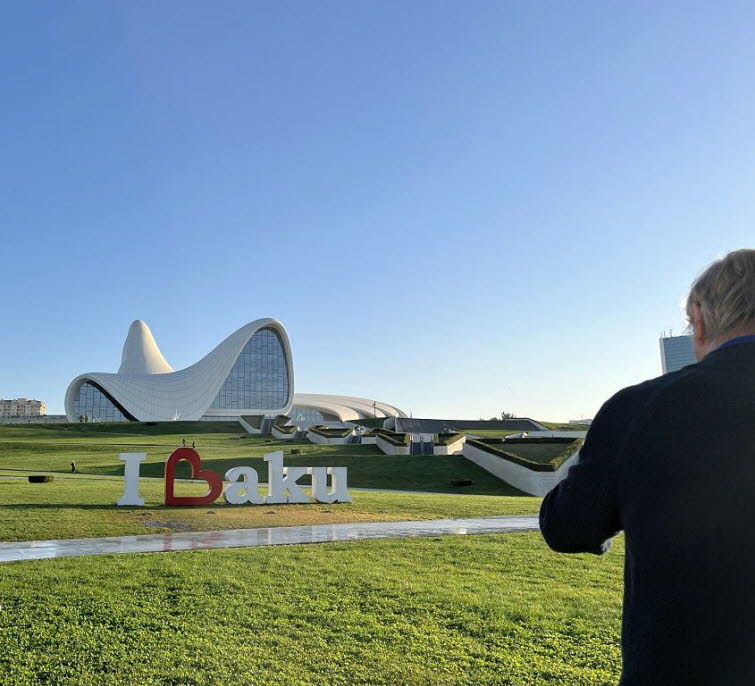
340	408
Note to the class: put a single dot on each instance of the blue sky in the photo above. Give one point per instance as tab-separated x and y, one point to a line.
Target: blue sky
459	208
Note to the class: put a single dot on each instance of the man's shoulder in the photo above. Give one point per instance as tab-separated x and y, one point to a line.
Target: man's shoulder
632	398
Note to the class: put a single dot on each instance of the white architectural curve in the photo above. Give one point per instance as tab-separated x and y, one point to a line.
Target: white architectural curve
140	352
343	408
147	388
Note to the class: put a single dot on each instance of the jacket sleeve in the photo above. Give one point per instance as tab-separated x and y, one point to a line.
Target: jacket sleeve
581	514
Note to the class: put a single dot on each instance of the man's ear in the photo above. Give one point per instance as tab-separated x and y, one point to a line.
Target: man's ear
699	334
698	325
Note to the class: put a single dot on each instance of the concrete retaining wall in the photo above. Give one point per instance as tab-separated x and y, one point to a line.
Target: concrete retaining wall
325	440
454	448
249	428
389	448
527	480
281	435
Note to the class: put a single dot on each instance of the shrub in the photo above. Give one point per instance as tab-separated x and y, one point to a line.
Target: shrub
495	446
255	421
447	438
397	439
460	483
330	431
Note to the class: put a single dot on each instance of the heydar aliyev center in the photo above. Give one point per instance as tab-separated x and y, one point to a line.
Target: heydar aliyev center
250	373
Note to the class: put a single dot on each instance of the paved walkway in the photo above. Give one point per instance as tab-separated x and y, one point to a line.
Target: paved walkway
276	535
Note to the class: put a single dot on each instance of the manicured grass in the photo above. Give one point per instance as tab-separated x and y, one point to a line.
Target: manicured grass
564	426
451	611
489	433
85	507
542	453
454	611
95	448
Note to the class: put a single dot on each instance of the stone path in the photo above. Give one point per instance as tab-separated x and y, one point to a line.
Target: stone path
276	535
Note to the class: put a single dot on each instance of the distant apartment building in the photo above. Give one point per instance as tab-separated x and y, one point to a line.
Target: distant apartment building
676	352
22	407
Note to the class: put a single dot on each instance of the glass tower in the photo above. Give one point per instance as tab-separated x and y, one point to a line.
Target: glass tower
676	352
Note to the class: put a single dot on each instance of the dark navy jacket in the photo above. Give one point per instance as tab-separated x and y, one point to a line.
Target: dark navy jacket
671	462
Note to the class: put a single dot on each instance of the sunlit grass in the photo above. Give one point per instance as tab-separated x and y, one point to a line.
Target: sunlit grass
86	507
454	611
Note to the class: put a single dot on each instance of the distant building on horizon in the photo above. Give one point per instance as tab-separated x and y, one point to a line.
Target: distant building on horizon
676	352
22	407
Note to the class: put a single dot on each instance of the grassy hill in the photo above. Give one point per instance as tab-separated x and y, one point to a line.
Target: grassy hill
447	611
95	449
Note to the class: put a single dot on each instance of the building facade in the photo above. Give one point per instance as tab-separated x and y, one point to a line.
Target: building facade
22	407
676	352
249	373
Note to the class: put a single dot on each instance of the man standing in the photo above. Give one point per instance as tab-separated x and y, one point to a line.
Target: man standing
671	462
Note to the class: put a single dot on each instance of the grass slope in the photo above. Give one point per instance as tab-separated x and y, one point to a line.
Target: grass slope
95	448
85	507
484	610
542	453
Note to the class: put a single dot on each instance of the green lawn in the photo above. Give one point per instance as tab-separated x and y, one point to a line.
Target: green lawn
542	453
95	448
453	611
85	507
497	610
489	433
564	426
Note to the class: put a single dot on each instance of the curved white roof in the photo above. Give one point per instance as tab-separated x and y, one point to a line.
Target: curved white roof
148	389
140	352
345	407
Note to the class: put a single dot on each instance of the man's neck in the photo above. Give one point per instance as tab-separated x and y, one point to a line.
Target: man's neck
730	338
742	336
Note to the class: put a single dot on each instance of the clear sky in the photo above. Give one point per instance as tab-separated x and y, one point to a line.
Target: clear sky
456	207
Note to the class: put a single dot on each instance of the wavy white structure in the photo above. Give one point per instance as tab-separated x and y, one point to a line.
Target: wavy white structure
140	352
343	408
147	389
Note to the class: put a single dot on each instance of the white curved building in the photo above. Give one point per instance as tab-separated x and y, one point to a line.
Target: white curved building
313	408
249	373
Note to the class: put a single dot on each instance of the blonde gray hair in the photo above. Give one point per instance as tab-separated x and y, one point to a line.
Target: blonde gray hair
725	292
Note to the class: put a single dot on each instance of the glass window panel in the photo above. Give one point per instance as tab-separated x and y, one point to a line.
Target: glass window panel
90	403
259	377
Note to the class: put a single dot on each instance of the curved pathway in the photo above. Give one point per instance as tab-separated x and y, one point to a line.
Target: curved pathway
277	535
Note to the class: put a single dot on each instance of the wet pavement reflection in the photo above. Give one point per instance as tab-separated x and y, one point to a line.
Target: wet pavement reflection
277	535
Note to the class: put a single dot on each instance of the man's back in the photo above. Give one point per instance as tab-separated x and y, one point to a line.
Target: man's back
672	463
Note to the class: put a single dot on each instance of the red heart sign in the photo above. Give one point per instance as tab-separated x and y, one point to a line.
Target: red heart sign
192	457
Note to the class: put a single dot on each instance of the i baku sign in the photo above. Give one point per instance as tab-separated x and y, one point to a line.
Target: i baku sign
328	483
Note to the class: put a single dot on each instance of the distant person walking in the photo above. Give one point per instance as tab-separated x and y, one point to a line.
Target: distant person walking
183	442
671	462
192	444
73	467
